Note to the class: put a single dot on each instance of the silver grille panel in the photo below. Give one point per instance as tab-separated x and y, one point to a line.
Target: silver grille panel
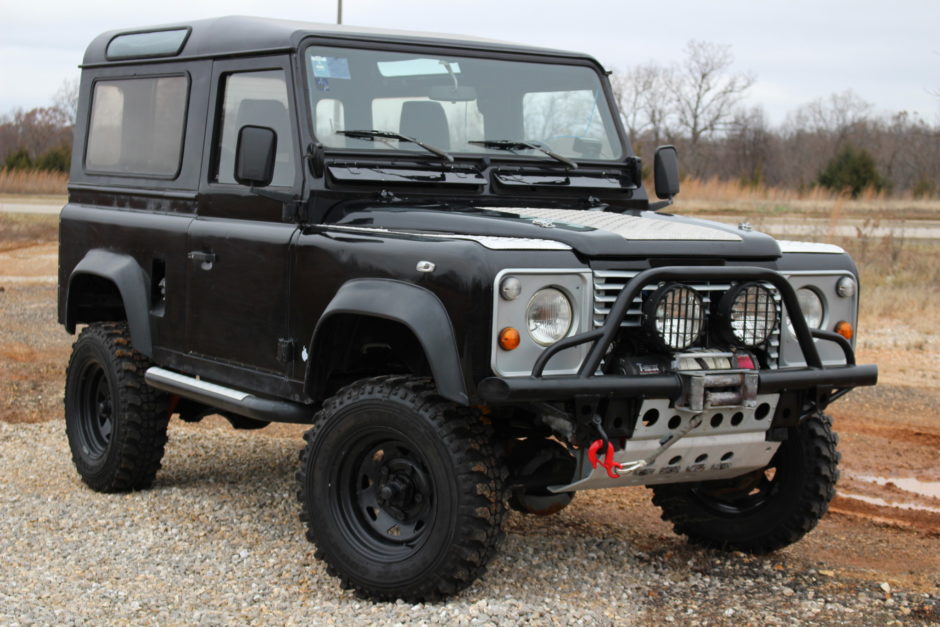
609	283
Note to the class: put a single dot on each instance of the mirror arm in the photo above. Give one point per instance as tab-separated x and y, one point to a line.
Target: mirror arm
292	204
662	204
266	193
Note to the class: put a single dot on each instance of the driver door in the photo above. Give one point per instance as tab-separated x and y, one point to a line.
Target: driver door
239	244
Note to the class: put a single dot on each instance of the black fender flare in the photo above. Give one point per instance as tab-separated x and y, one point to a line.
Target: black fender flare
417	308
132	283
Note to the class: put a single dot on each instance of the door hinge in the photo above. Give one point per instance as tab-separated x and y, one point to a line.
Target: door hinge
285	350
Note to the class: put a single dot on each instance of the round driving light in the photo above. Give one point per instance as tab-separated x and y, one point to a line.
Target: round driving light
548	316
846	287
749	311
675	314
510	288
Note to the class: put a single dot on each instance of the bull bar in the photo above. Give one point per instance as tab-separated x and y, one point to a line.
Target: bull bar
536	387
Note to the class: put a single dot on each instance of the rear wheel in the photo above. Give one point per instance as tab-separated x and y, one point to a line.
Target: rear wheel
116	423
401	490
766	509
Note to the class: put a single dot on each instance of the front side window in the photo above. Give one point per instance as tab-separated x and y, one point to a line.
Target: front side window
256	99
137	126
458	104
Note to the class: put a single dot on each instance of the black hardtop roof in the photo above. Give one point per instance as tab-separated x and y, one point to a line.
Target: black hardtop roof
238	35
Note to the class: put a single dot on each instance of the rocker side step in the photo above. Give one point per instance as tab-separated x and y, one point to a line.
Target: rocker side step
228	399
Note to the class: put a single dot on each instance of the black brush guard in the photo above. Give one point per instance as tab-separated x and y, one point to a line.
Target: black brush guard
814	376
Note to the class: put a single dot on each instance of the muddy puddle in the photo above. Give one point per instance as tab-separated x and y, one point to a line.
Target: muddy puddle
907	493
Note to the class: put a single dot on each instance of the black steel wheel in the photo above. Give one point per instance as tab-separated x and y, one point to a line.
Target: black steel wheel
385	495
116	424
401	490
764	510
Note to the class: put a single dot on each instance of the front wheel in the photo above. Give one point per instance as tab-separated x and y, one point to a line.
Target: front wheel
401	490
116	424
764	510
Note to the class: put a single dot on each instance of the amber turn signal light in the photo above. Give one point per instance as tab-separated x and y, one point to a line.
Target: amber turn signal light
845	329
508	339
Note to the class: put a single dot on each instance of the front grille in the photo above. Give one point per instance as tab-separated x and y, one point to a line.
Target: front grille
609	283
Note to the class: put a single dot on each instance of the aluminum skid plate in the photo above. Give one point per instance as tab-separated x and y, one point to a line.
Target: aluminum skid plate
731	441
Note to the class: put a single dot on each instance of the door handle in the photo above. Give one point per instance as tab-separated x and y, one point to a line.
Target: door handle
205	259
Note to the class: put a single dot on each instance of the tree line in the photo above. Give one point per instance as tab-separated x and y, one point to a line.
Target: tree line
837	142
41	138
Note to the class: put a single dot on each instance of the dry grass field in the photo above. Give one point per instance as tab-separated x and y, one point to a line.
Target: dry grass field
710	196
32	182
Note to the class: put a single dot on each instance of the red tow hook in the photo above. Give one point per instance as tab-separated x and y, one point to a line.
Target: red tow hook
609	464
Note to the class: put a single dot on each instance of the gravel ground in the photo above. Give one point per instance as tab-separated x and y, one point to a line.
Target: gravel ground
218	541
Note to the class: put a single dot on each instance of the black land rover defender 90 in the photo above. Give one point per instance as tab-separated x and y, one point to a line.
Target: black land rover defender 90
439	252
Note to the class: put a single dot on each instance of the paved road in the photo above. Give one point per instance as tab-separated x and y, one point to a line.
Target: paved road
29	207
816	229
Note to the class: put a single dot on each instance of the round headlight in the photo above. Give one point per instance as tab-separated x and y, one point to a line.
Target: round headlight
750	312
846	287
548	316
811	305
676	315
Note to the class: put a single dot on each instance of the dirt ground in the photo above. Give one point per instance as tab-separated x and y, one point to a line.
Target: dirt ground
884	526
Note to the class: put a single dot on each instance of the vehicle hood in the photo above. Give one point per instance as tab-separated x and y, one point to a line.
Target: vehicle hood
591	233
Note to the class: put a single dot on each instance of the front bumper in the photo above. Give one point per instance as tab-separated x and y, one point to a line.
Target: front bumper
815	377
497	390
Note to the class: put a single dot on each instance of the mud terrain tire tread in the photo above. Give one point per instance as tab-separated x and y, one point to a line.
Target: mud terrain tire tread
817	459
481	478
133	455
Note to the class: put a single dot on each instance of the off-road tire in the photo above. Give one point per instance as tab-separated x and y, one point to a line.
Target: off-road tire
115	423
426	445
789	506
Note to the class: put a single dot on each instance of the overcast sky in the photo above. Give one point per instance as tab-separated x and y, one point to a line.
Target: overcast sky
798	50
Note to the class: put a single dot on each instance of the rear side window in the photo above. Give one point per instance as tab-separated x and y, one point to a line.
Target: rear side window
137	126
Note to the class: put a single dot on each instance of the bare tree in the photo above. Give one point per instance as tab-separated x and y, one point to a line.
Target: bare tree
644	99
706	93
837	114
66	98
748	146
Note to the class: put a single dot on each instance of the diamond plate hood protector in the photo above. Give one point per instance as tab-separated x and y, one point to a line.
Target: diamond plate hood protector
630	227
591	233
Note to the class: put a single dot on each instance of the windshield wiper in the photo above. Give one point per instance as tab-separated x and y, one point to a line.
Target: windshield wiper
372	135
513	145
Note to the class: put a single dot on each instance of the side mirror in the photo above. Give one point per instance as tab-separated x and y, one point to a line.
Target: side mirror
666	172
254	155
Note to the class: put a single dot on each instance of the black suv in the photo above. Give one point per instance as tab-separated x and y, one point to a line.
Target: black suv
440	253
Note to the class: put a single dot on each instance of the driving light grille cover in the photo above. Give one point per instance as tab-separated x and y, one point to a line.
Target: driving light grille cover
750	312
676	315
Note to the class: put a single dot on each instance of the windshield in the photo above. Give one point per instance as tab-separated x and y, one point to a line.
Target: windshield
360	99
